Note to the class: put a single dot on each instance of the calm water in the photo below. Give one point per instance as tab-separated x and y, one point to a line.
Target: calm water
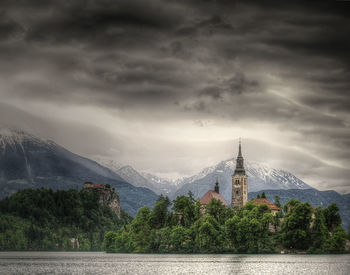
101	263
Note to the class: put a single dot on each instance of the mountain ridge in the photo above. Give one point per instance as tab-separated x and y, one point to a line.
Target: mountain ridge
27	161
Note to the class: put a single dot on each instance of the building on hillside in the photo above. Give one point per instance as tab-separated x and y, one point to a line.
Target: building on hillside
106	194
90	185
274	209
239	182
213	194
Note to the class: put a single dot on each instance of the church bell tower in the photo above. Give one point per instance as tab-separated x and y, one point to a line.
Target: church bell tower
239	182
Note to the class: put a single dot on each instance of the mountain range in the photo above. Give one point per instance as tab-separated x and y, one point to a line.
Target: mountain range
27	161
260	176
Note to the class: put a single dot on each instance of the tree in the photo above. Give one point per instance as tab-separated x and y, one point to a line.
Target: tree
185	207
263	196
109	241
332	216
277	201
208	234
160	212
296	225
319	232
216	209
178	237
336	244
140	230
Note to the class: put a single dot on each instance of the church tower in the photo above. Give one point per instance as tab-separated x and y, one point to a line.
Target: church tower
239	182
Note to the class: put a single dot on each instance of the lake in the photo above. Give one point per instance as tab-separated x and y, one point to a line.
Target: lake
169	264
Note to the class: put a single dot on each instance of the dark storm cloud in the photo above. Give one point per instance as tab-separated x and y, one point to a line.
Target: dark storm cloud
281	63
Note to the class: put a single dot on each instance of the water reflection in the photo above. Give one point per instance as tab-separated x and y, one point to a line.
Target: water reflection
101	263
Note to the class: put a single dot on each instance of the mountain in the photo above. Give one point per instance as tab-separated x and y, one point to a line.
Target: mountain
27	161
140	179
165	186
260	177
314	197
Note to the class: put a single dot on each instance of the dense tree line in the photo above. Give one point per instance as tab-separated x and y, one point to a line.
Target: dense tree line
193	228
42	219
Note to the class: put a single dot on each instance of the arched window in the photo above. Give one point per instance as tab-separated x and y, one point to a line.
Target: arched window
237	192
237	181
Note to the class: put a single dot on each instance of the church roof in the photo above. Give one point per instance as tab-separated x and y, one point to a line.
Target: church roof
212	194
259	201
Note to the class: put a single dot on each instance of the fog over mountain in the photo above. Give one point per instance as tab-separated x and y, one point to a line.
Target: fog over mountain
168	87
27	161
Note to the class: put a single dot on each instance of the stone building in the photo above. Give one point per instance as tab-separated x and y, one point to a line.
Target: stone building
239	182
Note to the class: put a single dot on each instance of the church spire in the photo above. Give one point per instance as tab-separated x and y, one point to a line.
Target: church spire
240	161
239	149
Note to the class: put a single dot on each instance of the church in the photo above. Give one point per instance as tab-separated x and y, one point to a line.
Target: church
239	188
239	182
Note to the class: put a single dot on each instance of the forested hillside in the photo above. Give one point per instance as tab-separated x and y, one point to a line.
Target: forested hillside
42	219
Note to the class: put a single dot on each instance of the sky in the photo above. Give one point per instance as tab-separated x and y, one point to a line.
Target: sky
169	86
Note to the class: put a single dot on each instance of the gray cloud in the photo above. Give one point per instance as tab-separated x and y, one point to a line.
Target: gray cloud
283	65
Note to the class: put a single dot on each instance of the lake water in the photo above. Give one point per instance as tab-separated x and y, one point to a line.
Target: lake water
169	264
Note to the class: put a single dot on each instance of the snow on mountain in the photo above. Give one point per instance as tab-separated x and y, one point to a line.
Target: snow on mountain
27	161
14	137
140	179
165	186
260	177
109	163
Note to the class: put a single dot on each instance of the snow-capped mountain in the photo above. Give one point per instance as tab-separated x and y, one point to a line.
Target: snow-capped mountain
140	179
260	177
165	186
27	161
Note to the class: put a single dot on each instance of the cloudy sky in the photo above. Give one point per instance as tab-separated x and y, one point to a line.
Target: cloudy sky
170	86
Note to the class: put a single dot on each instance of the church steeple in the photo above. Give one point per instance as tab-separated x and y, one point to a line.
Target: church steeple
239	182
239	161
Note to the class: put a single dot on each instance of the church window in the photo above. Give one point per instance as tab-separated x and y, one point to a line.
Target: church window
237	192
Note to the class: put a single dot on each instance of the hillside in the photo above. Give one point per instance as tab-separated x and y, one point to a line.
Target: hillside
62	220
27	161
314	197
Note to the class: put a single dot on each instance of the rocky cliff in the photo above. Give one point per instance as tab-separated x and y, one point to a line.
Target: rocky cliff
107	195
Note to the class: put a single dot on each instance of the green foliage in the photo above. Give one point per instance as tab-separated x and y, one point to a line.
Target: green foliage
46	220
217	210
160	215
277	201
319	232
248	232
185	207
214	228
332	216
140	230
296	226
336	244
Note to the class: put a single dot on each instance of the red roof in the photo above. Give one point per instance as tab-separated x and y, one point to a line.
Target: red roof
212	194
259	201
99	186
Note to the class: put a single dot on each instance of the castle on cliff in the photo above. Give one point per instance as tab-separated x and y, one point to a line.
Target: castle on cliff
106	194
